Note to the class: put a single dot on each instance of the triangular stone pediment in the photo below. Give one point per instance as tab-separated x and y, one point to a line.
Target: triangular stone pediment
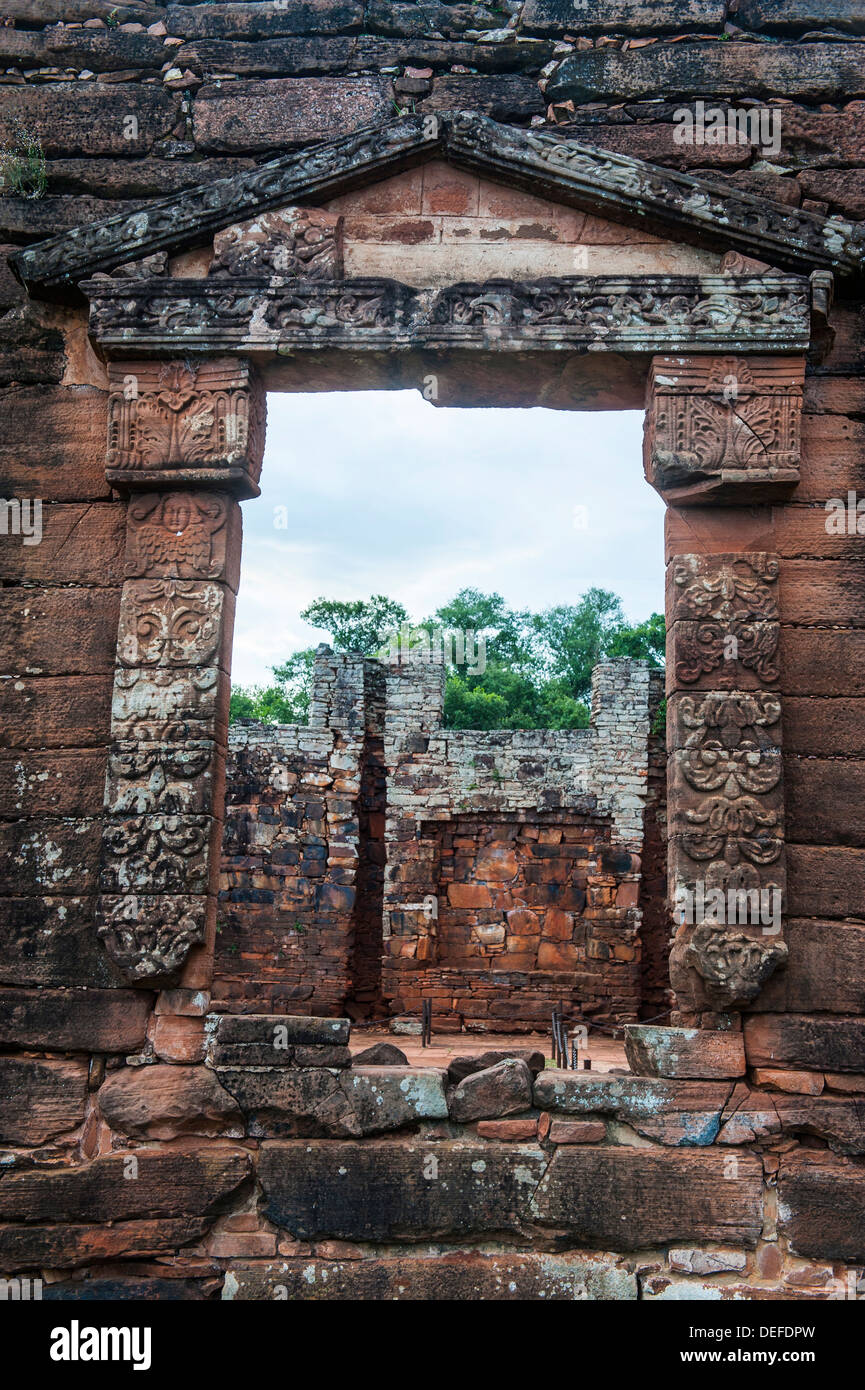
612	190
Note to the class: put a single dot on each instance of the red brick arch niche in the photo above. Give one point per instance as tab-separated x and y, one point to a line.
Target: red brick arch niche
719	358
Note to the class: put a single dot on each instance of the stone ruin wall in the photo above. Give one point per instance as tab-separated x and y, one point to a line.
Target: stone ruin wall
647	1207
529	843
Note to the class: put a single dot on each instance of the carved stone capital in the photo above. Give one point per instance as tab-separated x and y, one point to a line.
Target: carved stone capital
723	430
183	423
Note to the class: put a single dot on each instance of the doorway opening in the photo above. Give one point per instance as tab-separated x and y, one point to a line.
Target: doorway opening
450	828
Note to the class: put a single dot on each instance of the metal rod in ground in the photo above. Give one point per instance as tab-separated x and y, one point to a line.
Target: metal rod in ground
575	1062
553	1037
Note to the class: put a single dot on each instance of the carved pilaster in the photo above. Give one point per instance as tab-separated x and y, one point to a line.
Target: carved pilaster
175	424
165	778
723	429
724	778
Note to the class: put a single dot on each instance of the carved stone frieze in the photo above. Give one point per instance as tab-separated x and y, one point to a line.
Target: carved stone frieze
156	854
173	622
723	429
291	242
181	422
724	627
165	705
164	780
640	313
150	936
725	797
180	778
185	535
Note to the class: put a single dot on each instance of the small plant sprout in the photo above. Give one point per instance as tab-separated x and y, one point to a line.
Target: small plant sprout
23	171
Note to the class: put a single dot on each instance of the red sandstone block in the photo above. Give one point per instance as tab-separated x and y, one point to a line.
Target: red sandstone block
93	1020
40	1099
809	1043
178	1039
468	895
400	194
508	1129
224	1245
802	1083
245	116
822	1204
577	1132
449	190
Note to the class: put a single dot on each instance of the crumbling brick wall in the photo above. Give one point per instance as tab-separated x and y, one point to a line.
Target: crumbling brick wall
286	926
528	843
339	835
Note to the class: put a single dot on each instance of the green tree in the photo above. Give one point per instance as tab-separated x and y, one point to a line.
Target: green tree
646	640
537	667
363	625
506	633
465	708
286	701
572	638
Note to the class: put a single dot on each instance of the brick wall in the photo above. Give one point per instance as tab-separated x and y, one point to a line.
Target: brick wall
529	842
287	917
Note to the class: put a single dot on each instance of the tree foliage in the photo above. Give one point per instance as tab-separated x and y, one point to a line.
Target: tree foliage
534	670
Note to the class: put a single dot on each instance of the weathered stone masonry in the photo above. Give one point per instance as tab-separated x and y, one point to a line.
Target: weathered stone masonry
523	254
510	861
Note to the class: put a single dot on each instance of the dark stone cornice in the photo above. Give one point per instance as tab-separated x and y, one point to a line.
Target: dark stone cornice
637	314
627	190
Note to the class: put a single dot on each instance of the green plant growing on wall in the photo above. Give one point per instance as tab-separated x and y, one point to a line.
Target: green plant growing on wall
659	724
23	171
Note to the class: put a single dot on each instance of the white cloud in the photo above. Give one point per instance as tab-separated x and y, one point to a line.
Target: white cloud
385	493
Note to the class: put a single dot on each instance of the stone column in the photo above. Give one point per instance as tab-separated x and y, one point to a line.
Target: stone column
724	431
185	440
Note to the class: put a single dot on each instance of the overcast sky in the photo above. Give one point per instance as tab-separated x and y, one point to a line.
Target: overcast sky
385	493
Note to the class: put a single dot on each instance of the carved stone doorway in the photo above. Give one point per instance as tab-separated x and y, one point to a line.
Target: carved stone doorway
196	329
